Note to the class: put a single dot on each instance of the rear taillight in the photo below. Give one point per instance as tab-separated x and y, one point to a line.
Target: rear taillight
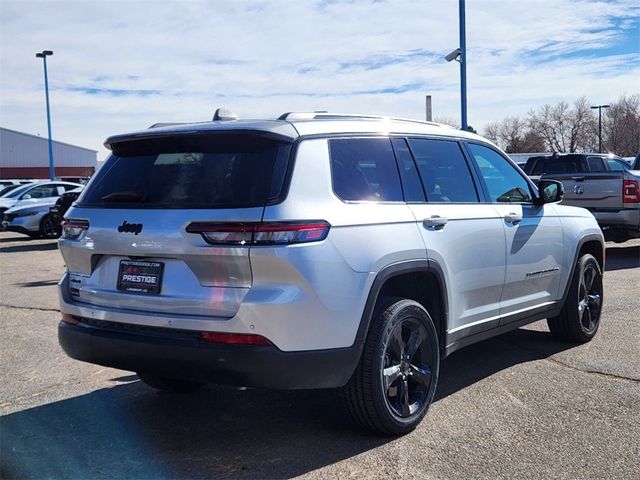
73	228
234	338
265	233
630	191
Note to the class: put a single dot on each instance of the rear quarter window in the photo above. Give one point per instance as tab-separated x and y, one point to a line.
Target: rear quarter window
364	169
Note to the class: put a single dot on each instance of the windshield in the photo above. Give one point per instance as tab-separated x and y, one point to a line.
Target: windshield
17	192
203	171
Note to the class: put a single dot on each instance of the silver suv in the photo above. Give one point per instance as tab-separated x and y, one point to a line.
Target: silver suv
318	251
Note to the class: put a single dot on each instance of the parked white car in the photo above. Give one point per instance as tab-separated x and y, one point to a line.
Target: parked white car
26	208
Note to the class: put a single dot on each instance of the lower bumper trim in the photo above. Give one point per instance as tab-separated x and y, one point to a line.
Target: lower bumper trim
188	357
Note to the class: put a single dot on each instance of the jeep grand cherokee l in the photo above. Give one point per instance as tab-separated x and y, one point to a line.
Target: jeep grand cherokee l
318	251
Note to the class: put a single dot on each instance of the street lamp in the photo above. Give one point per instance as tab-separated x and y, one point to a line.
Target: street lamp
460	55
599	107
43	55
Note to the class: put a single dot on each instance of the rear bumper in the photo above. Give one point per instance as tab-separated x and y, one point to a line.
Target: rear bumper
627	219
184	355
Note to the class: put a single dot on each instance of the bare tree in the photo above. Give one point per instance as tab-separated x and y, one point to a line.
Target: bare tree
621	126
492	132
447	121
565	129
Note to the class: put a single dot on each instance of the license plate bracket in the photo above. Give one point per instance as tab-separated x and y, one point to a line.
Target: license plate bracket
137	276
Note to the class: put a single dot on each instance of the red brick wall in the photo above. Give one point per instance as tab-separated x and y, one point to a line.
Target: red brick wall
43	172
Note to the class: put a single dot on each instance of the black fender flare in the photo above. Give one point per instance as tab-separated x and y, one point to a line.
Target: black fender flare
388	272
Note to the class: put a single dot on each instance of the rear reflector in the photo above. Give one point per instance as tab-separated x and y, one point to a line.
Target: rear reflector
234	338
72	228
70	319
630	192
266	233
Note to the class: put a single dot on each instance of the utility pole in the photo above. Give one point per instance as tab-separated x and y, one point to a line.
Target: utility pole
599	107
429	109
463	67
43	55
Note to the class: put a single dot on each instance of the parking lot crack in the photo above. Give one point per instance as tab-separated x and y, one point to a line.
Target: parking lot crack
572	367
21	307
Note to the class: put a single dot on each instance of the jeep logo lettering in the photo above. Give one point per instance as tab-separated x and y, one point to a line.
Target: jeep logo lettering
127	227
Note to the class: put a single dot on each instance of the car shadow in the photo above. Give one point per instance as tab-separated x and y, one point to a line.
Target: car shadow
131	431
20	238
621	258
31	247
38	283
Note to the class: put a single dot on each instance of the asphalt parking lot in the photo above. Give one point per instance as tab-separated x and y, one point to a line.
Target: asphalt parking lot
520	405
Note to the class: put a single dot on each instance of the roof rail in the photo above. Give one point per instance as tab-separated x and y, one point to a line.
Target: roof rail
294	116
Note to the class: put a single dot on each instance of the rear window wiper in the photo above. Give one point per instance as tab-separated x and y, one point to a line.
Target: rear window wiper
125	197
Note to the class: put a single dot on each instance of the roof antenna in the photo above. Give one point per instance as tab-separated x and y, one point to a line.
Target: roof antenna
223	114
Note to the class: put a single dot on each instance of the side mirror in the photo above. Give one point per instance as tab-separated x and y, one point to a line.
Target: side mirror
549	191
26	196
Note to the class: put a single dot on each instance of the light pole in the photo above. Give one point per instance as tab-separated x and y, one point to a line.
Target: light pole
599	107
460	55
43	55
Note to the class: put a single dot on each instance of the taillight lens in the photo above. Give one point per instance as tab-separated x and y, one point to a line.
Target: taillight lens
630	191
234	338
266	233
73	228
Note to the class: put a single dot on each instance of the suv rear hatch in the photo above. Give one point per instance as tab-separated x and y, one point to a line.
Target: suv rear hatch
137	254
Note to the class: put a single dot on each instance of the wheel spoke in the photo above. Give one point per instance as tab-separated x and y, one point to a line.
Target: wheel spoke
403	397
415	340
582	306
589	276
421	375
397	343
390	375
586	318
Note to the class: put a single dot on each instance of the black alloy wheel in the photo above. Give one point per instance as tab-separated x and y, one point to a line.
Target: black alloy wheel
395	381
406	375
579	318
590	295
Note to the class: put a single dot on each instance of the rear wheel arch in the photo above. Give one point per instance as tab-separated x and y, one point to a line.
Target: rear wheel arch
419	280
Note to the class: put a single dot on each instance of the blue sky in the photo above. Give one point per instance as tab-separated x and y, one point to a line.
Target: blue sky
124	65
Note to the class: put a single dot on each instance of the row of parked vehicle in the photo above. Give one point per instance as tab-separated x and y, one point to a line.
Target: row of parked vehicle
606	185
36	208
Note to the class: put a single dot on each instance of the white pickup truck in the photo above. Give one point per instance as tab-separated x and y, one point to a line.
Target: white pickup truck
604	184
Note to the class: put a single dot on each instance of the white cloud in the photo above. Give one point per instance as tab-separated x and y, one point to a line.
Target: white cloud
264	58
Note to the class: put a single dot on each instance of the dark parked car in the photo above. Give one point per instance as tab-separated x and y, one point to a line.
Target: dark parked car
56	213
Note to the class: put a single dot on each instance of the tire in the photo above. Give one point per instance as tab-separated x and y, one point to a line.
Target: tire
48	228
395	380
579	318
169	384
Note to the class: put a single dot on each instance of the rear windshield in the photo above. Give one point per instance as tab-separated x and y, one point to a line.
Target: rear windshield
214	171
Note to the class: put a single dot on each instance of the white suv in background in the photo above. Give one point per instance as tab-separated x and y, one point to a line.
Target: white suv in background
318	251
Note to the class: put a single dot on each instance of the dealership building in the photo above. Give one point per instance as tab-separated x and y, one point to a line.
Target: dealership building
27	156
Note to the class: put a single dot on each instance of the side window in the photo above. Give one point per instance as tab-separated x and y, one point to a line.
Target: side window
503	181
43	191
445	175
617	165
596	164
413	191
364	169
560	165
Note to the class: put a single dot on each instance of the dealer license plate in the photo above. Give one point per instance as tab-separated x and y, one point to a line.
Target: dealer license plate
140	277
